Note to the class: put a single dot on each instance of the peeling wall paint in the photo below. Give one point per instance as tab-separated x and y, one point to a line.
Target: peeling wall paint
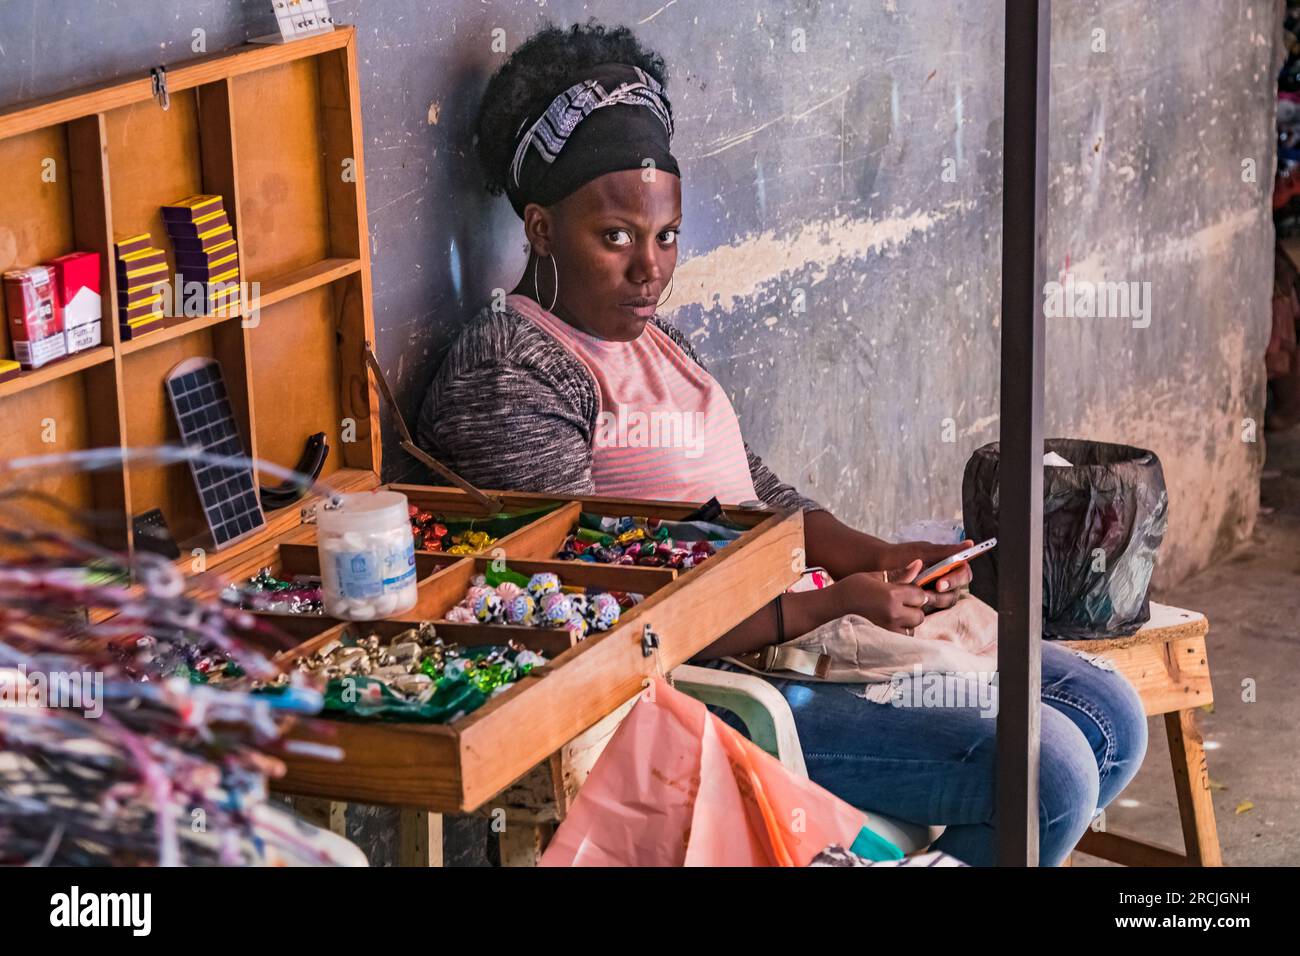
842	199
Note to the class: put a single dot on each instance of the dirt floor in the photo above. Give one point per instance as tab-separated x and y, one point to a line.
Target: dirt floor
1252	600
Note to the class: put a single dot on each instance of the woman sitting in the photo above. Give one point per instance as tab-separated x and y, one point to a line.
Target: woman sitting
575	129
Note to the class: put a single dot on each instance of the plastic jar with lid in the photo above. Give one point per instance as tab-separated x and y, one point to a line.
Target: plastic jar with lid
367	556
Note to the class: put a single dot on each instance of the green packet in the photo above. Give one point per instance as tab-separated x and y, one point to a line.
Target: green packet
497	526
368	698
462	687
598	528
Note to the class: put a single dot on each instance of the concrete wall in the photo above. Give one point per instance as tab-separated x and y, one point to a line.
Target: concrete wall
841	286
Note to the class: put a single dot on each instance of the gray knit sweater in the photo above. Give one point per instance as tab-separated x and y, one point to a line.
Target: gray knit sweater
512	409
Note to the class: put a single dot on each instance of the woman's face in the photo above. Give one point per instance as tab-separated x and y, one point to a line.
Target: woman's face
615	246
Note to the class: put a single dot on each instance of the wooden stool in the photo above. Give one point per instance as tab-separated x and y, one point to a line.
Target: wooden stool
1167	664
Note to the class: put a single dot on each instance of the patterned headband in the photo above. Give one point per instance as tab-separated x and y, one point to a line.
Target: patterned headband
549	133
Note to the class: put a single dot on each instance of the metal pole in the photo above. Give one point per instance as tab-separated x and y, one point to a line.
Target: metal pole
1020	472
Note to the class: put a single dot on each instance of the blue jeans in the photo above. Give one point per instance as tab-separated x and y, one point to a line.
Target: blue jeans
934	764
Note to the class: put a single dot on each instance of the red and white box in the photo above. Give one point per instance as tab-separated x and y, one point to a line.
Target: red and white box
35	316
76	277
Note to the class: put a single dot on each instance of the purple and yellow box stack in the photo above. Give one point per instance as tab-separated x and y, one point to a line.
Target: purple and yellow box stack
204	243
141	267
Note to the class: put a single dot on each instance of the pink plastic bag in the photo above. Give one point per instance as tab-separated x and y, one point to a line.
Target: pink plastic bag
678	787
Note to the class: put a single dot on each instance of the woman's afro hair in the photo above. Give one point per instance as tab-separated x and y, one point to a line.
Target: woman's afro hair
547	63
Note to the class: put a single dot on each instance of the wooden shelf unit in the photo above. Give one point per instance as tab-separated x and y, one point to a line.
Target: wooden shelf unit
276	131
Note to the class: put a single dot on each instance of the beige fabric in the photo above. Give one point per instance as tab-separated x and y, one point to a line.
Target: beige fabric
961	639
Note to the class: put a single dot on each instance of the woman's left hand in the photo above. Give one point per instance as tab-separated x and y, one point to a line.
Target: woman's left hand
945	591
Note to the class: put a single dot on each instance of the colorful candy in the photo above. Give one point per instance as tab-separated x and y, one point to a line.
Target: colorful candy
488	608
265	592
415	676
645	542
542	584
522	610
602	611
546	602
430	534
556	609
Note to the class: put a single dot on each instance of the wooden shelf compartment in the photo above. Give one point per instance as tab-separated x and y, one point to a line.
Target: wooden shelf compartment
262	295
149	423
543	539
160	156
73	411
70	365
292	337
53	203
298	200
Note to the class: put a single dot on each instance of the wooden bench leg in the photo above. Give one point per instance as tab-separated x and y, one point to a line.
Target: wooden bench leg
522	843
329	814
1192	783
419	838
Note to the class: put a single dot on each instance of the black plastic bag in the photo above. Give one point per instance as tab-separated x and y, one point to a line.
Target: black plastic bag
1104	517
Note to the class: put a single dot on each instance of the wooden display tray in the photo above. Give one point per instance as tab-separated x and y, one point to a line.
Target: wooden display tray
458	767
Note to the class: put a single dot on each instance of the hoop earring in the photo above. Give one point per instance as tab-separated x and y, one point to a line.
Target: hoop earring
660	304
537	293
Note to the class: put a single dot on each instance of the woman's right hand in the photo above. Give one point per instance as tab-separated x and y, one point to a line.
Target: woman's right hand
885	599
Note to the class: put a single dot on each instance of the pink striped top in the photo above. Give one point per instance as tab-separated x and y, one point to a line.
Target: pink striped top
666	429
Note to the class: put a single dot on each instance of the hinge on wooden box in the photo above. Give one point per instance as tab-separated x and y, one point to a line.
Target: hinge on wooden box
159	76
492	504
649	646
649	641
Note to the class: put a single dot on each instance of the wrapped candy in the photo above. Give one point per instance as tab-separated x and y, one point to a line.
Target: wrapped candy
577	626
602	611
470	542
542	584
508	591
556	609
461	615
580	604
522	609
265	592
488	608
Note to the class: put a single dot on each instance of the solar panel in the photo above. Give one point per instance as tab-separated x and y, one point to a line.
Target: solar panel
226	490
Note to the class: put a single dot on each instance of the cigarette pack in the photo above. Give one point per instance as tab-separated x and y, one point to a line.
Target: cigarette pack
35	316
76	277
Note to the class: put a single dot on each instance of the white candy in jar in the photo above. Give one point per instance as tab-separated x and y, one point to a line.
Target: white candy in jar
367	556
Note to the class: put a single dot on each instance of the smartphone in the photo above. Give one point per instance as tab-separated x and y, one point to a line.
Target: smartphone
935	571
